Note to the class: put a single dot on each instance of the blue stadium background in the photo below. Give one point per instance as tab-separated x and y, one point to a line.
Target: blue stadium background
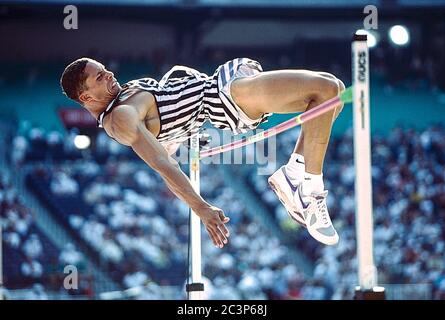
105	212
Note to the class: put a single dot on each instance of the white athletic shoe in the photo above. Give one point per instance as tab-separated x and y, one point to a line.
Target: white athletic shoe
285	190
316	216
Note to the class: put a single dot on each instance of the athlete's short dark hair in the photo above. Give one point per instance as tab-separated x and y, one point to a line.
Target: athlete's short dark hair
73	79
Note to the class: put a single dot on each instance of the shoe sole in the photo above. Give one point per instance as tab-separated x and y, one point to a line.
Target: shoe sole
328	242
284	199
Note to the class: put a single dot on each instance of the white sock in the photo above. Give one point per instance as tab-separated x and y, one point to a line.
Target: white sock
295	168
313	183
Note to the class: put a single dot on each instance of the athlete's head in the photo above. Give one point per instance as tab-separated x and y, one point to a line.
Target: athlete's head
88	82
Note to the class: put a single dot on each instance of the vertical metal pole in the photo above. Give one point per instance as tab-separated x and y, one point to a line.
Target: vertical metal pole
196	288
362	159
1	263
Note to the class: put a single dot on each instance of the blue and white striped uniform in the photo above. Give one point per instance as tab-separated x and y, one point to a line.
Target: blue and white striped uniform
186	98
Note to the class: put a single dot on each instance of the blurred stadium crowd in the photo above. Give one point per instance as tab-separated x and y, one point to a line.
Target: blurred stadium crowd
122	211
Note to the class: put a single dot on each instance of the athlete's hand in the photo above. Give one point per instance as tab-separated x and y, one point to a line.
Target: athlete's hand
214	220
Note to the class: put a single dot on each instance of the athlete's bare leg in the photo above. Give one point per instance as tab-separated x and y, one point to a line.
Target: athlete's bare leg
299	147
288	91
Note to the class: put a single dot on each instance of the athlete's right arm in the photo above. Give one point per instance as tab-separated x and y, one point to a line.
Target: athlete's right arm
128	129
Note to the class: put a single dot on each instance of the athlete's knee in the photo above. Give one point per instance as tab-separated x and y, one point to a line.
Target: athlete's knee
326	88
330	76
327	75
341	85
329	87
339	109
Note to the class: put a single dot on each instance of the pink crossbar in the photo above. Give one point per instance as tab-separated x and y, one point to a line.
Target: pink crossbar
286	125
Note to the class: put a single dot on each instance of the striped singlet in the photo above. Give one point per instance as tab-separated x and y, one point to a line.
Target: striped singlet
186	98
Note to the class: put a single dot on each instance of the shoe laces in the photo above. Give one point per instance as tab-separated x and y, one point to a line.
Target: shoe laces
322	212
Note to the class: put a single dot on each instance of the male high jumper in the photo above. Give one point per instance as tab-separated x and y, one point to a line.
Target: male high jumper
153	118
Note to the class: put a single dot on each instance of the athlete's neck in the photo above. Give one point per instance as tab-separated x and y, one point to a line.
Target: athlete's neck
97	107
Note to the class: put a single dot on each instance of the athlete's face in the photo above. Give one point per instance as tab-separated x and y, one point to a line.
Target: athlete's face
101	83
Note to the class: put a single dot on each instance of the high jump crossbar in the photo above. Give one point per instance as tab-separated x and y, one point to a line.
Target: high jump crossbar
328	105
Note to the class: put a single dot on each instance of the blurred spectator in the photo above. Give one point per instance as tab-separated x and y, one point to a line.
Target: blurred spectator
70	256
37	292
33	247
31	268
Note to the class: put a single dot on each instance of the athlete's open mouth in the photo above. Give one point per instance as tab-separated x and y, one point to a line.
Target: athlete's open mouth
111	86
